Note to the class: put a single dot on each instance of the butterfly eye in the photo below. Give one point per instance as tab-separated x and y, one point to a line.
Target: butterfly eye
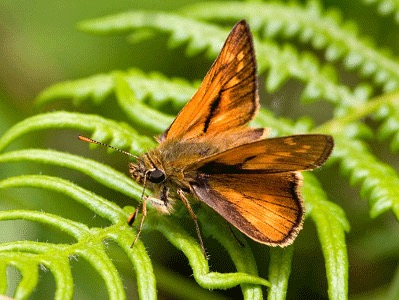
156	176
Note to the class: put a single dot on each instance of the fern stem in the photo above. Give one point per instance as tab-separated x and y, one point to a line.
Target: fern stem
146	282
331	225
74	229
338	125
239	250
99	205
103	174
186	289
279	272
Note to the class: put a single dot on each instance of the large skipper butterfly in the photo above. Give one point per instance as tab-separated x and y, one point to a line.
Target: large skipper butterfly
208	152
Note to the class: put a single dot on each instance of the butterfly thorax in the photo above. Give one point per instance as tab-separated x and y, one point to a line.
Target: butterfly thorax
166	164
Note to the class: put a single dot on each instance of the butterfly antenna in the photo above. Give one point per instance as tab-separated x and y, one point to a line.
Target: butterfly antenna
89	140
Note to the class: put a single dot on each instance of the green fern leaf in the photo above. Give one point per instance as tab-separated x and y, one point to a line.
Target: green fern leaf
160	92
279	272
55	256
378	184
331	225
325	29
282	62
120	134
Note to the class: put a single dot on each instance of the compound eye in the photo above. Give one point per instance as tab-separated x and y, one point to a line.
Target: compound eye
156	176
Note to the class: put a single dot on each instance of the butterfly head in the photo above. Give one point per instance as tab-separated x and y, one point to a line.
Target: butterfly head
144	171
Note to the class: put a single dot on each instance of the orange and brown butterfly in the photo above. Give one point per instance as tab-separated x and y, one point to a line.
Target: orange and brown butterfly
208	152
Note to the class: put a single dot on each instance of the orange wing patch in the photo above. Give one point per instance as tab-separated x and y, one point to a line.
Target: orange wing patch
265	207
228	95
282	154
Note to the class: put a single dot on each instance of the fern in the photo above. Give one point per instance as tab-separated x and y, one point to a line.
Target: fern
324	30
148	103
283	63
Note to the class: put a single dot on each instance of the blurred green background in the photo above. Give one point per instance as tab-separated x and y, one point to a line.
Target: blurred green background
39	46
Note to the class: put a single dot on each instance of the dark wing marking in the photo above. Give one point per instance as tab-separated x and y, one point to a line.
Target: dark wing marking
228	95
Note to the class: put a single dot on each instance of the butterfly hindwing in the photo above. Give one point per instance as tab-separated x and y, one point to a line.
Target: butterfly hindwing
227	97
265	207
254	186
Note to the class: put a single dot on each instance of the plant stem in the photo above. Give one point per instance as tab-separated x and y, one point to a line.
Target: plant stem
336	125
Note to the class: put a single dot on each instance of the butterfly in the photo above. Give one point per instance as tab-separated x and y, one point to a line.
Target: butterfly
209	154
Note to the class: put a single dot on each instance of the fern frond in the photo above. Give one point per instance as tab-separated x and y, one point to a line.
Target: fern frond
210	280
103	174
154	89
134	90
187	289
103	129
96	88
182	29
390	125
378	180
153	121
238	250
331	225
282	126
99	205
119	232
377	107
279	272
160	91
324	30
283	62
55	256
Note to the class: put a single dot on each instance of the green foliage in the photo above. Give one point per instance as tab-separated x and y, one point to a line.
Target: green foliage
148	103
385	7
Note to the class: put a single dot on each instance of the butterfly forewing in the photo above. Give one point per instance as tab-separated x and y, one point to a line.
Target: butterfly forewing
266	207
227	97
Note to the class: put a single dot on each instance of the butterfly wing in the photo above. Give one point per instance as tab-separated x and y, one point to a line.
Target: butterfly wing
228	95
266	207
255	186
274	155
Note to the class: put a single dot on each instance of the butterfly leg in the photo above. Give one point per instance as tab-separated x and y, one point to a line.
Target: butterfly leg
162	202
133	216
194	217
